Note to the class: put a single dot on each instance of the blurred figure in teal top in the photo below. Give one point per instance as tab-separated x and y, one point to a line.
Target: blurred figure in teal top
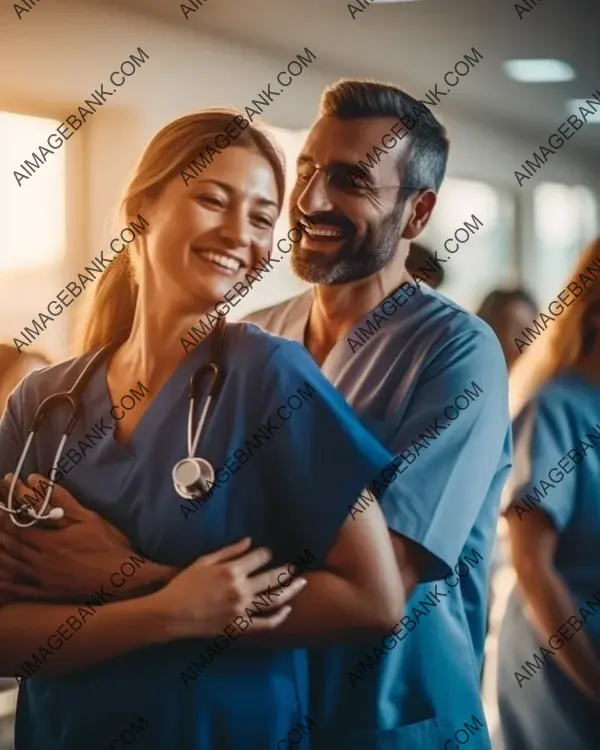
549	652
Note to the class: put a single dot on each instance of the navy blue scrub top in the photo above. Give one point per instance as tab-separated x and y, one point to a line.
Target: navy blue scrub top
407	373
292	496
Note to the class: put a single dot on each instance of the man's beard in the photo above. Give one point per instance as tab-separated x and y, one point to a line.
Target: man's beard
351	263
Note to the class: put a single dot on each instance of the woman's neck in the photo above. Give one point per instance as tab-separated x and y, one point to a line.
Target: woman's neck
153	349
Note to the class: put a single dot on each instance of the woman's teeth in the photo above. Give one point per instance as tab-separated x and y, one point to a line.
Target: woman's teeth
224	261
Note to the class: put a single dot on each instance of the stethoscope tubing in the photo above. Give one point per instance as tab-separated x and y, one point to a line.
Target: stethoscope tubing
72	397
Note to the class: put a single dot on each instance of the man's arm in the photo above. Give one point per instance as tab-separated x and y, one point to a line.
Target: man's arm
113	630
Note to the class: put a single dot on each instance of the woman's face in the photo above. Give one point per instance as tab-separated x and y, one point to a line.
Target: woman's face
204	237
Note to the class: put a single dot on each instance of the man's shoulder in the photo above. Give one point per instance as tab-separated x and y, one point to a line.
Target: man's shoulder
443	326
277	318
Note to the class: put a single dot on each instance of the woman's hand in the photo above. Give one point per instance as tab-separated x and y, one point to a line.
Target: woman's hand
69	559
210	593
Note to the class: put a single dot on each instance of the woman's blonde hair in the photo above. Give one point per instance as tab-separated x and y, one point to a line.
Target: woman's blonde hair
567	341
170	151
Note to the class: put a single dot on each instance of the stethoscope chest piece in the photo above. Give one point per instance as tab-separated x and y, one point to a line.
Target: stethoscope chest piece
190	477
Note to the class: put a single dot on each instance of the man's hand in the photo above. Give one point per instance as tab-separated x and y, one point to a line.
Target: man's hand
69	559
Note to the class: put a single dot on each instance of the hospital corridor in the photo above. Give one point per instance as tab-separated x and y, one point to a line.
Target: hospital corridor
300	375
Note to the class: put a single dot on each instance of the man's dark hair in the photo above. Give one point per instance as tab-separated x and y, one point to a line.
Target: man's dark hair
496	301
424	163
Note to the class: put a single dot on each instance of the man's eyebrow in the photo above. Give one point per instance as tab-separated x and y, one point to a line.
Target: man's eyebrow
340	165
229	189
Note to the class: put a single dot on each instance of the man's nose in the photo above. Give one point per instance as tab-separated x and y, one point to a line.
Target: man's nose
315	197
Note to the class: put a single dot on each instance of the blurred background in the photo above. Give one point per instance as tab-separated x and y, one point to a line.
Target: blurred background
57	53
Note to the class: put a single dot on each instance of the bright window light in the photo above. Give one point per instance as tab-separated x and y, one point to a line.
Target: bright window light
32	217
573	108
538	71
565	220
486	261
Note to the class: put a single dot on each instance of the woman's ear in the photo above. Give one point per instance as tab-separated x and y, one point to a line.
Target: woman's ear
422	206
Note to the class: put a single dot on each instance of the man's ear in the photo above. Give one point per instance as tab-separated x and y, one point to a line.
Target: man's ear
422	208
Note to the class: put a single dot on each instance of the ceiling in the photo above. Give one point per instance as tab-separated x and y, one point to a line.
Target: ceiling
414	44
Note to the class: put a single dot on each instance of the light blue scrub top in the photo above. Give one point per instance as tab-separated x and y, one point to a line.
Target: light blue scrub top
546	710
399	381
292	496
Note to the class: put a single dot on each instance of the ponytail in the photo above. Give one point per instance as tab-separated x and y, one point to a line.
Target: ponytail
113	306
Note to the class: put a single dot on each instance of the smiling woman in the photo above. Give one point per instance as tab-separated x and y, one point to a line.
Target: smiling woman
202	239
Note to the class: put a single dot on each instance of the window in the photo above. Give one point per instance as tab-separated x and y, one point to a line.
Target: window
32	216
487	260
565	222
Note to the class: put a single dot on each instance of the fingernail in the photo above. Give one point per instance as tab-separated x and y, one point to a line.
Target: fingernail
302	581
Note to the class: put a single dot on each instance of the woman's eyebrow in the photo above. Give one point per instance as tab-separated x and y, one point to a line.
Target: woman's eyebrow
230	189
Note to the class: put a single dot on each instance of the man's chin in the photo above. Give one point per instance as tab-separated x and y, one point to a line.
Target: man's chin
313	270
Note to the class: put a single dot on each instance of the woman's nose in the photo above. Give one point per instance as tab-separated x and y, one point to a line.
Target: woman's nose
236	229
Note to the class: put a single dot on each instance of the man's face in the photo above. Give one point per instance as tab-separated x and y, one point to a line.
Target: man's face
356	222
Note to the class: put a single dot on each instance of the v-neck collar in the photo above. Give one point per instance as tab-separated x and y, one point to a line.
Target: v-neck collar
340	353
172	390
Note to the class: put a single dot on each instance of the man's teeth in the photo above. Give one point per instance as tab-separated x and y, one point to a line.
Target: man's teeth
324	232
223	260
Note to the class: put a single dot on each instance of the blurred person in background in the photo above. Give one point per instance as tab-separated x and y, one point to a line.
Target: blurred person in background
137	657
14	366
508	312
549	649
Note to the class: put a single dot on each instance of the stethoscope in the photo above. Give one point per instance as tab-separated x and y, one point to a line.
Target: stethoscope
192	476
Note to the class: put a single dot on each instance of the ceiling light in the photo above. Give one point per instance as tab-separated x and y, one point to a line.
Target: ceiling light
538	71
573	109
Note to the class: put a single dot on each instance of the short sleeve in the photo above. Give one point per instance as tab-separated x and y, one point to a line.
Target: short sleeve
320	456
11	439
451	444
543	437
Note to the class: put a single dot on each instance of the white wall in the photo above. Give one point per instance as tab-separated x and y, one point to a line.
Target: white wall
57	54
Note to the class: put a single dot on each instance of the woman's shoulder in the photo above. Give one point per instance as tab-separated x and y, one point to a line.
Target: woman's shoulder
253	345
39	384
567	398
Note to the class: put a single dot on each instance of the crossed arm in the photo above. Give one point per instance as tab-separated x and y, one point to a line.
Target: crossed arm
358	591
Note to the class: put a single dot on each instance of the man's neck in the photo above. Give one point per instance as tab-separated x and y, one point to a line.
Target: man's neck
337	308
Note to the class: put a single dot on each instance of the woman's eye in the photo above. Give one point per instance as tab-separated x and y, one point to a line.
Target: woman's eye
266	221
212	200
303	177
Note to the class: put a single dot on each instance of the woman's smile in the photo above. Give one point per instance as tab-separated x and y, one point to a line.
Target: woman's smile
220	262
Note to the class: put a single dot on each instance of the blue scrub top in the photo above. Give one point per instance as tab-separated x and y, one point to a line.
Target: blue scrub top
556	471
292	496
562	424
400	374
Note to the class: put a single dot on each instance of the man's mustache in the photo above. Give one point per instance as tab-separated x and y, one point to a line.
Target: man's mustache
329	219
